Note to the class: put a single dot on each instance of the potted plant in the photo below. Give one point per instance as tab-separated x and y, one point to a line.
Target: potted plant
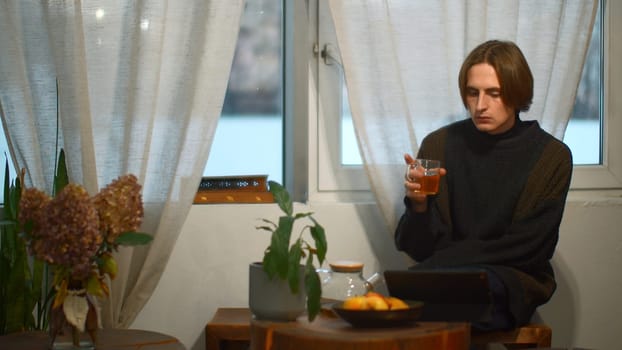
282	261
24	289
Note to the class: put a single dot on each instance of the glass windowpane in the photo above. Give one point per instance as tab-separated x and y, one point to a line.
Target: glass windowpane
583	133
249	136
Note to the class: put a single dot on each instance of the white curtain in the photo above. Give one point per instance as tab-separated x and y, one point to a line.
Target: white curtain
401	61
141	86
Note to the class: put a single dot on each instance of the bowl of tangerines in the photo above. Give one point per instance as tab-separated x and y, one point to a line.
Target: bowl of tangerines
376	310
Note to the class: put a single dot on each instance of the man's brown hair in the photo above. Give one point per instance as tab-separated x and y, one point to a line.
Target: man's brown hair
512	70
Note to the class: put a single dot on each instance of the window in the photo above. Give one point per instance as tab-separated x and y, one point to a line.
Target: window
583	133
597	162
263	129
249	136
607	171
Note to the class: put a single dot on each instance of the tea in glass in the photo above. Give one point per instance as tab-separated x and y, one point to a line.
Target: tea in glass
430	175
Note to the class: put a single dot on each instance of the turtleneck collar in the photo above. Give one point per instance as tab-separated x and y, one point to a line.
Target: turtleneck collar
519	129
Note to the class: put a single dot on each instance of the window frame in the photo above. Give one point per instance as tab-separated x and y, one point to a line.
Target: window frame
609	174
331	181
298	72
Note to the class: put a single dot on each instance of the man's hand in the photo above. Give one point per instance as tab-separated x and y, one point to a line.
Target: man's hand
418	200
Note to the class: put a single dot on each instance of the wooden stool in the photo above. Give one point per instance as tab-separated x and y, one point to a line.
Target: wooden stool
533	335
229	329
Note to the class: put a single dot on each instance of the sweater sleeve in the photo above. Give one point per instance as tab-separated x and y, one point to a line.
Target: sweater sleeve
414	234
419	234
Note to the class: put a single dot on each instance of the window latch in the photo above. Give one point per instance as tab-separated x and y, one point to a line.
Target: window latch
329	54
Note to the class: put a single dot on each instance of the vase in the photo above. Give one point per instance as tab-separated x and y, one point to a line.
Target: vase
344	280
64	335
271	299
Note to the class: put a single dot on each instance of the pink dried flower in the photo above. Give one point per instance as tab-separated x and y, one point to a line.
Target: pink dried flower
77	233
31	206
68	233
120	207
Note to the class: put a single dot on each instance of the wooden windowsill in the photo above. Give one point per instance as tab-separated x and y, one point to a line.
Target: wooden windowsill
234	189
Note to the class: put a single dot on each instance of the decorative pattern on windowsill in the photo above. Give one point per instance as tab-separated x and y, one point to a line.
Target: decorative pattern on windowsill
233	189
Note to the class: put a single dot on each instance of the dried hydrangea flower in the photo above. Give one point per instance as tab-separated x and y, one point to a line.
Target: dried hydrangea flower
120	207
69	234
31	209
76	233
31	204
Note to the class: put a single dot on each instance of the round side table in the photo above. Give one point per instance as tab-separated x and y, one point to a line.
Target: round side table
107	339
331	333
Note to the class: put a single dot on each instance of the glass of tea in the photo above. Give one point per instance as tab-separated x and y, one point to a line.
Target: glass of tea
426	173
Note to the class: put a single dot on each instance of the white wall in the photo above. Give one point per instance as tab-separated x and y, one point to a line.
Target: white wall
209	267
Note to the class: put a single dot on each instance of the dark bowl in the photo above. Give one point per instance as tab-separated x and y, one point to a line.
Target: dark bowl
380	318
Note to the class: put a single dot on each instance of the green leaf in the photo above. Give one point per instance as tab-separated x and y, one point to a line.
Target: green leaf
61	179
265	228
279	244
281	197
293	273
6	222
270	263
133	238
12	194
10	244
313	288
319	237
38	271
15	194
7	181
18	292
301	215
272	226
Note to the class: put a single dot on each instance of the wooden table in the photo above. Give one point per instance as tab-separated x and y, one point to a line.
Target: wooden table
108	339
234	327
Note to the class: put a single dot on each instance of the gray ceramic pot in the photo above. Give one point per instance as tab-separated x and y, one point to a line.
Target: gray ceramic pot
271	299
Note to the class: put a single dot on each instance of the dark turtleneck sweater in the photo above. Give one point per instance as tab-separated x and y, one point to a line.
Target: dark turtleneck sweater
499	207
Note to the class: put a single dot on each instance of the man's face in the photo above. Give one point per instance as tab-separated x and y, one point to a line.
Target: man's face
483	97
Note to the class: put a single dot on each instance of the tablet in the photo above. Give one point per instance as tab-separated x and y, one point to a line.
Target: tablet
448	294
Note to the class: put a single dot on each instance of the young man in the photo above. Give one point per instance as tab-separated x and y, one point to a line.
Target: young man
502	193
